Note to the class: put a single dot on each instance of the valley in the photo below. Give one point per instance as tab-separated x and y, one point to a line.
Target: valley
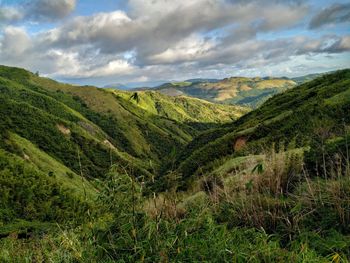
103	175
174	131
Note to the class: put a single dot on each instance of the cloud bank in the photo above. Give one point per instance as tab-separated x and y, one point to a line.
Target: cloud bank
163	39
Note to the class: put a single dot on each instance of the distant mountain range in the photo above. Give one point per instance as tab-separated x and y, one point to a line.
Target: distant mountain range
235	90
135	85
251	92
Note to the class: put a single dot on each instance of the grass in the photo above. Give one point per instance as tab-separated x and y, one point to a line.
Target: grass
147	129
62	174
341	98
178	227
182	109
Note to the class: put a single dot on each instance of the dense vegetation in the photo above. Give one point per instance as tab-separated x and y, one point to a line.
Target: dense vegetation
72	135
306	114
91	175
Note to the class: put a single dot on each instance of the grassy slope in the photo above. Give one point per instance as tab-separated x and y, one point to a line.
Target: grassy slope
63	131
45	163
147	129
184	109
135	128
29	195
37	117
292	118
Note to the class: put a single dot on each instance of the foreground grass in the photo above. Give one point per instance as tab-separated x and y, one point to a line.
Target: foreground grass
310	225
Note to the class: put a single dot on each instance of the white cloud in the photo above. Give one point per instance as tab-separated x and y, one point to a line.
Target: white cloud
36	10
114	67
188	49
344	43
14	42
160	39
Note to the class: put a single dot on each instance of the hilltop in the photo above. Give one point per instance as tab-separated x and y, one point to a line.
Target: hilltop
250	92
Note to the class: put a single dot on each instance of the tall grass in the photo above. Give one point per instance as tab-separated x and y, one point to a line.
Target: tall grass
279	214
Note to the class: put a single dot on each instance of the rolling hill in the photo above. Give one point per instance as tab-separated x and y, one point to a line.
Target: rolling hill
102	175
250	92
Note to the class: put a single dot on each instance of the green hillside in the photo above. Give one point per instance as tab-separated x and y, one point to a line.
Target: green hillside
289	120
250	92
71	135
141	128
101	175
309	77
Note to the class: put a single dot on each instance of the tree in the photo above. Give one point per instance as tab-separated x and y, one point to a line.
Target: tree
135	97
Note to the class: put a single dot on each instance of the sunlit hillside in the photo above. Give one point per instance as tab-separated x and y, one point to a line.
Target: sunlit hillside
250	92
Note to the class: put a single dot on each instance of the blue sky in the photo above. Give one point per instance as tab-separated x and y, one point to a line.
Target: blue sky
146	41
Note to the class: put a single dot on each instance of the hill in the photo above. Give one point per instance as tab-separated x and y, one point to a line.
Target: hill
101	175
71	135
309	77
250	92
291	119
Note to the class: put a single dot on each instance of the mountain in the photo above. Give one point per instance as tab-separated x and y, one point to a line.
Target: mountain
134	85
68	134
290	119
250	92
200	80
103	175
309	77
117	86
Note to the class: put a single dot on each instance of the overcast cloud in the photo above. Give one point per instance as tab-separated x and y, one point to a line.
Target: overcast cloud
163	39
334	14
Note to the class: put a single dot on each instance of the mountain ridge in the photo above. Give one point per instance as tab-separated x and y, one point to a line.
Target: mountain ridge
237	90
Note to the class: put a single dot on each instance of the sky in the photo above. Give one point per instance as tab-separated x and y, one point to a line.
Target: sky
147	41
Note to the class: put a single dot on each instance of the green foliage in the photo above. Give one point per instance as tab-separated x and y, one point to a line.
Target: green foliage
259	168
41	128
331	156
297	115
327	204
27	194
235	231
135	97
